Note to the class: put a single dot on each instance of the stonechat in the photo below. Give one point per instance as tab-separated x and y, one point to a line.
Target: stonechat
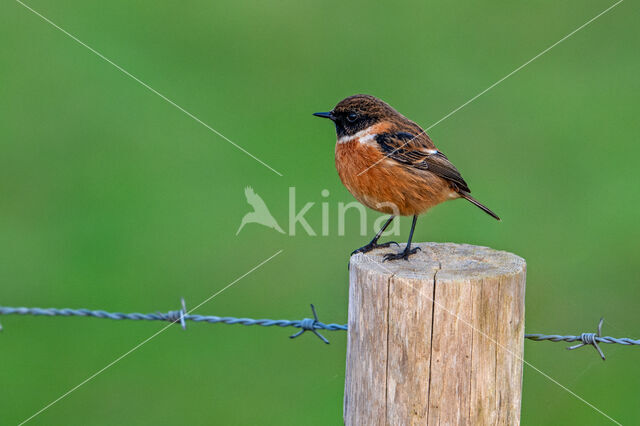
389	164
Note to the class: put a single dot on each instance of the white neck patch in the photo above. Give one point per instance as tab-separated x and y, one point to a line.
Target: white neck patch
365	137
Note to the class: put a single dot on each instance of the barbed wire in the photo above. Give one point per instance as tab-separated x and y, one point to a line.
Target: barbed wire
181	316
306	324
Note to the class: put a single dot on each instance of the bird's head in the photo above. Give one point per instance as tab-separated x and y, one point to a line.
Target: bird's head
357	113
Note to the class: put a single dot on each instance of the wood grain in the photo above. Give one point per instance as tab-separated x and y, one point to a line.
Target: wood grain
436	340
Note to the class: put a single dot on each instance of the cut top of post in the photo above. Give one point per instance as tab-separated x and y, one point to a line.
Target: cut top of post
451	261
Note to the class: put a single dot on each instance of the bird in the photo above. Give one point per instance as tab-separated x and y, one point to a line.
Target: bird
260	213
390	164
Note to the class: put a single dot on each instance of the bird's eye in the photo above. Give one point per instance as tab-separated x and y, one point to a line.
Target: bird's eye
352	117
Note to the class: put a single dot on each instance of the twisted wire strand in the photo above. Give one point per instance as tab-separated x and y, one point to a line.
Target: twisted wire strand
136	316
569	339
306	324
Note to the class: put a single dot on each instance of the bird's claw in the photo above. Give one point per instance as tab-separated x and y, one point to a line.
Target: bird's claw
402	255
372	246
388	244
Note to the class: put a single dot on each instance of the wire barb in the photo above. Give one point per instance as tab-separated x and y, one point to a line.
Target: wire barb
176	316
591	339
309	324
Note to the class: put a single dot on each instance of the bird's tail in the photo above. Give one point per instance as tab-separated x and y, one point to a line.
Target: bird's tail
484	208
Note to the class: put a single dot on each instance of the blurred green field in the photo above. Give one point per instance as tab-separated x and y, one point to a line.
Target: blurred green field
111	198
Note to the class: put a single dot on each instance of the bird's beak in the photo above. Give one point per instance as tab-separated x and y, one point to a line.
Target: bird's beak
328	115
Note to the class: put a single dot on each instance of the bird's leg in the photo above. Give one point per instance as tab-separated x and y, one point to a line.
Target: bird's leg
408	251
374	243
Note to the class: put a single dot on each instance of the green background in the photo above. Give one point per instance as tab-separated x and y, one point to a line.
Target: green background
111	198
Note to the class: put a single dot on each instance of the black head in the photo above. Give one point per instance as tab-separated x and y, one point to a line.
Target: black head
358	112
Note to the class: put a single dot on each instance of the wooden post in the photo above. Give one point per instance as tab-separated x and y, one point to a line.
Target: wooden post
437	340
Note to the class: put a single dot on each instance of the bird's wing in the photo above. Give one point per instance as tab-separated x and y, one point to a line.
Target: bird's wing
417	151
254	199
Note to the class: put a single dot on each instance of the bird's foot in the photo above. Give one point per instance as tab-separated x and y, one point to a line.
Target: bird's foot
402	255
371	246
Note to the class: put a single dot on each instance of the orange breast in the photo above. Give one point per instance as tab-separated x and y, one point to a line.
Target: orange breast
388	187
